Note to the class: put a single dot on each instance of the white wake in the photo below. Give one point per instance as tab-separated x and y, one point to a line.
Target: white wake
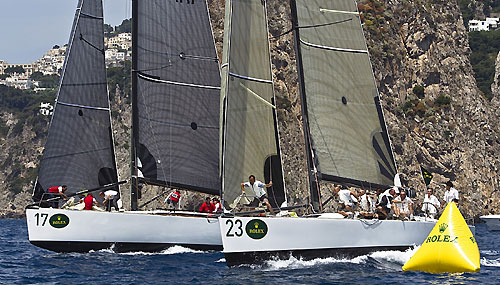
389	259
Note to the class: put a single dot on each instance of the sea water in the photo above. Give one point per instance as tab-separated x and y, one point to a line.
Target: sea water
23	263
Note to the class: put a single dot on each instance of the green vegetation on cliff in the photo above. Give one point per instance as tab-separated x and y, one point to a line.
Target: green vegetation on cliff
484	47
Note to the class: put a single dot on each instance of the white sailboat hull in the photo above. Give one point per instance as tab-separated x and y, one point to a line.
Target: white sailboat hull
122	231
492	221
309	238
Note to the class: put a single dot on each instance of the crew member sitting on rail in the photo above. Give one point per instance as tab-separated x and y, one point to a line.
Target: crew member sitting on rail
384	205
403	206
365	204
217	205
260	192
347	200
56	191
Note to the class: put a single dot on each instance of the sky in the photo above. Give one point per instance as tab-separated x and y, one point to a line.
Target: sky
29	28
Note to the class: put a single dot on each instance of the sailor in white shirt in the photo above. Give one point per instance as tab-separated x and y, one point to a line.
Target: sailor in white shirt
431	204
347	198
365	202
110	198
258	189
403	206
451	194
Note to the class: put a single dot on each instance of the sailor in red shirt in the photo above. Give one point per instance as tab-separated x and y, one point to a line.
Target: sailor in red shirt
89	201
173	198
207	207
56	191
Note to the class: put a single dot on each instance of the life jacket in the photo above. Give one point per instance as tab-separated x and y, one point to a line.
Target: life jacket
54	189
89	202
175	196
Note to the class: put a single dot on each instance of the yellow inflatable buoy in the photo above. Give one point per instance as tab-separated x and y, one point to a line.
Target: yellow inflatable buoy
450	247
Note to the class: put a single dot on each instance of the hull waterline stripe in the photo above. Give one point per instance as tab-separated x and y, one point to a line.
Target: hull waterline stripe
81	246
334	48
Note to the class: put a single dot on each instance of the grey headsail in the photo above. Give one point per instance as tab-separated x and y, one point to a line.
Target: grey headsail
250	142
176	84
79	151
347	131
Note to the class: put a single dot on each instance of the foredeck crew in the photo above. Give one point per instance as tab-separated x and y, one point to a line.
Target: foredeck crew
258	189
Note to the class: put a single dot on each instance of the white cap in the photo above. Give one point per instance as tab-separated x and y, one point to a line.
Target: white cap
396	189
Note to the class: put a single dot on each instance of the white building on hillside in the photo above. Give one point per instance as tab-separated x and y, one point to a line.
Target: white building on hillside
487	25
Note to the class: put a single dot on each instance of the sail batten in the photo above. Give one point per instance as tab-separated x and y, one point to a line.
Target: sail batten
250	140
176	82
79	151
345	125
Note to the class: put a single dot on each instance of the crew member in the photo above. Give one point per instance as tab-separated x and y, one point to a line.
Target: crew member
451	194
403	206
431	204
110	199
384	206
89	201
347	199
207	207
217	205
173	198
56	191
365	204
260	192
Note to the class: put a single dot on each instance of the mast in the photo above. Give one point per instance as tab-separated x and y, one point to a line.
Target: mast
134	185
313	181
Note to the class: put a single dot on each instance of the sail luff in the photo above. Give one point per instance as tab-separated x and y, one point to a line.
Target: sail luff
313	181
278	178
224	92
347	130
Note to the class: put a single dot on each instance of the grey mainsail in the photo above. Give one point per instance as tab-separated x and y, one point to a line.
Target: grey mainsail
176	87
347	131
250	143
79	151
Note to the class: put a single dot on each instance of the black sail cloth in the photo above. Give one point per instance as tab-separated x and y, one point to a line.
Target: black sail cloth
178	87
79	151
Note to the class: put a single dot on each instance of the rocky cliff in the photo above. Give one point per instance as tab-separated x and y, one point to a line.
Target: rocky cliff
450	128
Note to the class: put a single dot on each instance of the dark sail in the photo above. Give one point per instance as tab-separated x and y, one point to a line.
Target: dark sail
79	151
347	131
250	139
177	87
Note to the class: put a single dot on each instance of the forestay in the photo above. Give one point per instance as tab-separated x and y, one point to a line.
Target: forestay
178	87
250	140
79	150
347	129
